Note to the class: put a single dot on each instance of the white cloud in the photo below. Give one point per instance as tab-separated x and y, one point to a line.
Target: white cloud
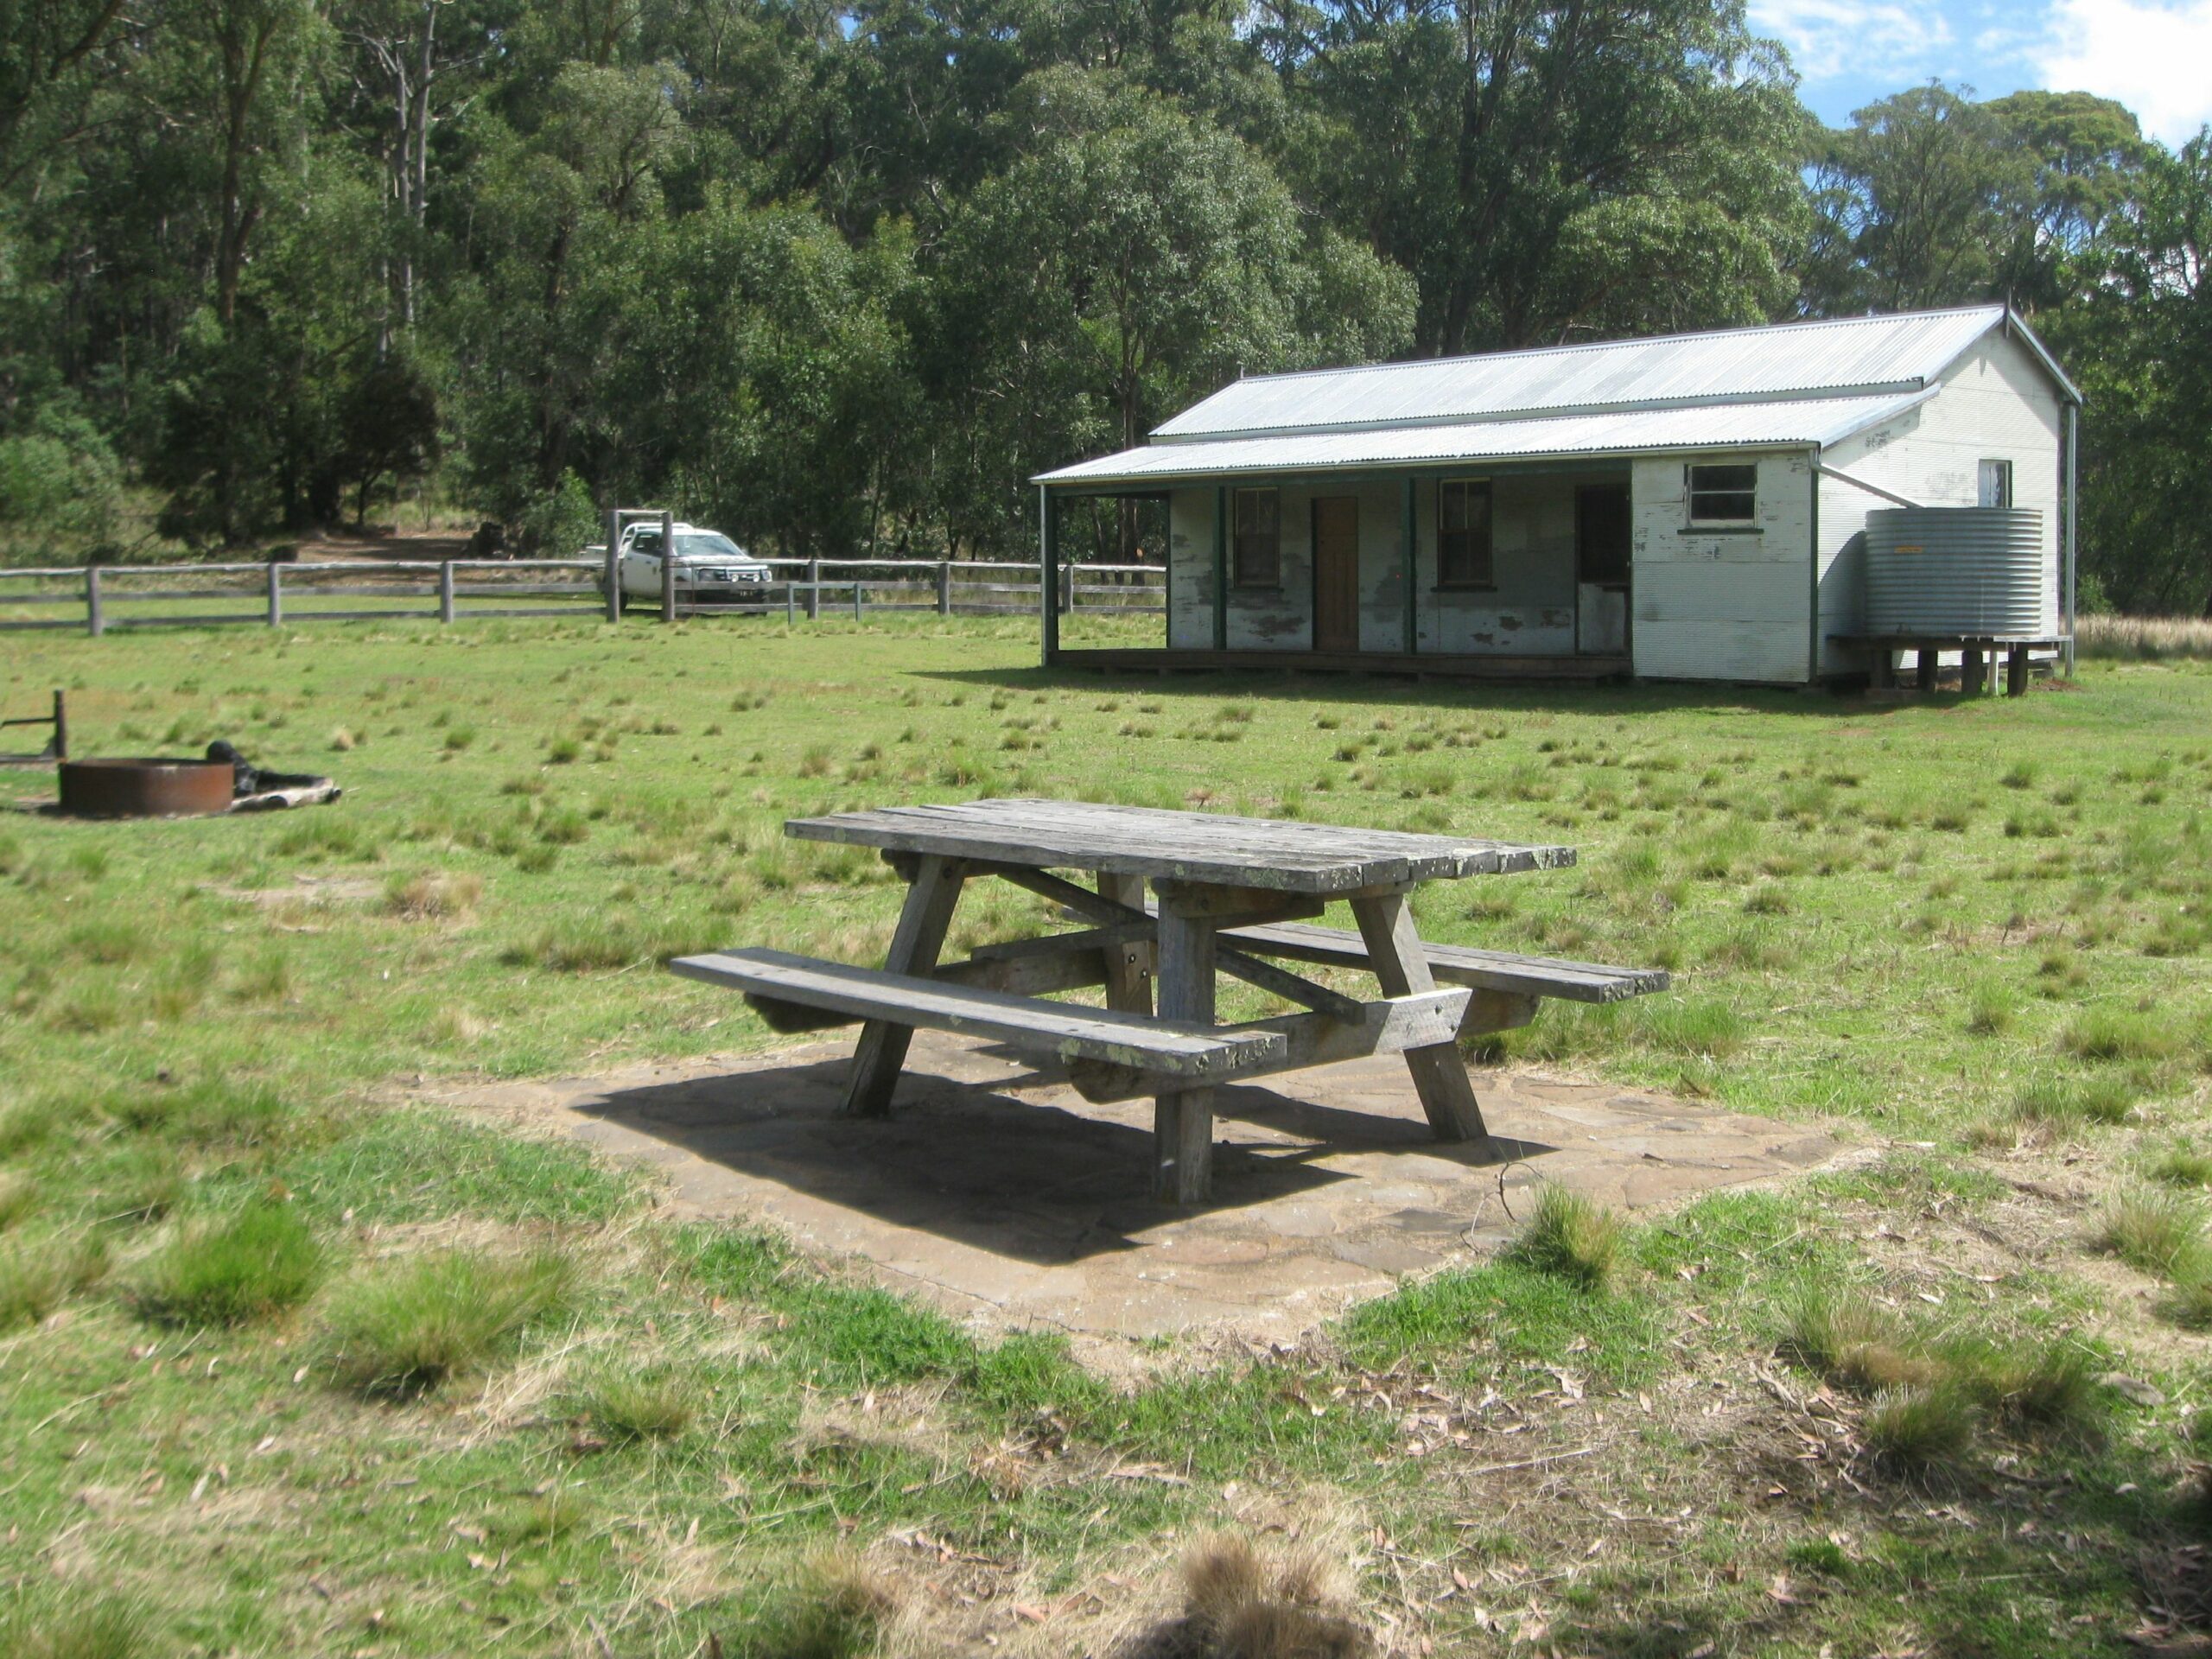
2155	58
1832	38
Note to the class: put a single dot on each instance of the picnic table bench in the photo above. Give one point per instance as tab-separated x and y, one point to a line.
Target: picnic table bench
1229	895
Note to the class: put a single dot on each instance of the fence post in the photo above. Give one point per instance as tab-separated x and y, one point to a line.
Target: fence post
944	587
613	564
275	594
95	622
857	595
668	566
791	600
60	725
1067	590
813	589
445	590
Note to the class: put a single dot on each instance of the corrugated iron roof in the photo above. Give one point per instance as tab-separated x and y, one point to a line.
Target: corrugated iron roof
1784	424
1845	357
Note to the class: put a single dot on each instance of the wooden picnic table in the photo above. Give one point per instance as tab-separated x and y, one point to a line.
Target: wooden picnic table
1228	895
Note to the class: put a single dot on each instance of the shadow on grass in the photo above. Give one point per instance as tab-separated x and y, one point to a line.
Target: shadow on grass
1471	697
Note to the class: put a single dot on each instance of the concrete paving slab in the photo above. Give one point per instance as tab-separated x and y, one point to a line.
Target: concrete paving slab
999	1193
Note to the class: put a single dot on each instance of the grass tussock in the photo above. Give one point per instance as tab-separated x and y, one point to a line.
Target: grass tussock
1918	1432
1239	1603
258	1261
2054	1109
654	1404
86	1624
404	1328
1572	1234
840	1607
37	1274
1849	1339
433	895
2108	1033
2160	1233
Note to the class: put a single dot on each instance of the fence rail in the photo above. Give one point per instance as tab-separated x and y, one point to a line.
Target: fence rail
286	593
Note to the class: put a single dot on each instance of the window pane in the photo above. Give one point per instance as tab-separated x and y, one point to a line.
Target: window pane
1996	484
1725	478
1724	494
1258	550
1463	540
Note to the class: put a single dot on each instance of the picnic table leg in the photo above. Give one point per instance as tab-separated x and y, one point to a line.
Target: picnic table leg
1386	926
933	893
1129	967
1182	1122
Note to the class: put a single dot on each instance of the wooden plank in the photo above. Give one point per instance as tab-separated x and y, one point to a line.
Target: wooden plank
1402	968
1390	1027
1057	1029
1457	964
1274	906
919	936
1215	849
1128	958
1182	1120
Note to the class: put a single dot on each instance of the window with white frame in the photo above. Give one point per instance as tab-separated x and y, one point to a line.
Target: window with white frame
1996	484
1724	494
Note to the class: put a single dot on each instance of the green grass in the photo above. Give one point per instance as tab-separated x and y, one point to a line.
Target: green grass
203	1019
406	1326
2157	1232
257	1261
1571	1236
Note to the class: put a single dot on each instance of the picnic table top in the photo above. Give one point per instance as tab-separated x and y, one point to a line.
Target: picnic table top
1213	847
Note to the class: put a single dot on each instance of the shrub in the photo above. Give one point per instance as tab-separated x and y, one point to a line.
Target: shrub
1570	1235
255	1263
406	1328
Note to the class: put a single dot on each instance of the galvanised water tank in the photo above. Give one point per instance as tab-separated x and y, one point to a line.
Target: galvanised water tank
1957	570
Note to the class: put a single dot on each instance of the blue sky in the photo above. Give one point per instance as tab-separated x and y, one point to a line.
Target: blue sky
2153	55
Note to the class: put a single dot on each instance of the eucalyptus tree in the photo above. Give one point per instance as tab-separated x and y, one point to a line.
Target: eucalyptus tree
1130	258
1550	169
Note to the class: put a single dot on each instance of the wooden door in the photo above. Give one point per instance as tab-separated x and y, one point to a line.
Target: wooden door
1336	573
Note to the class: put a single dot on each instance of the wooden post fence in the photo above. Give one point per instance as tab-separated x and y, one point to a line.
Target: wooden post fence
275	594
613	565
667	568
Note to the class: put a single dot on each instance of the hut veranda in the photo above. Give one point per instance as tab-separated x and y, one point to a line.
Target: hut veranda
1687	507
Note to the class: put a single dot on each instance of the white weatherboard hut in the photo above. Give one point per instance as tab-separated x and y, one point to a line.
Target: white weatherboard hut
1688	507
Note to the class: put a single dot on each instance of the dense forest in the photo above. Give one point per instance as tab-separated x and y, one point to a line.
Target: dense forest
838	274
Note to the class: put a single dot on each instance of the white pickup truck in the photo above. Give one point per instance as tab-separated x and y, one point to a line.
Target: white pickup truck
710	568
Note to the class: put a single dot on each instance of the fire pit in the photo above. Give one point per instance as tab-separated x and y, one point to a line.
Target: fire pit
145	787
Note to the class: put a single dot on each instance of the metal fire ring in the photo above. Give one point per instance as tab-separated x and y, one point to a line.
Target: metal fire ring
147	787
